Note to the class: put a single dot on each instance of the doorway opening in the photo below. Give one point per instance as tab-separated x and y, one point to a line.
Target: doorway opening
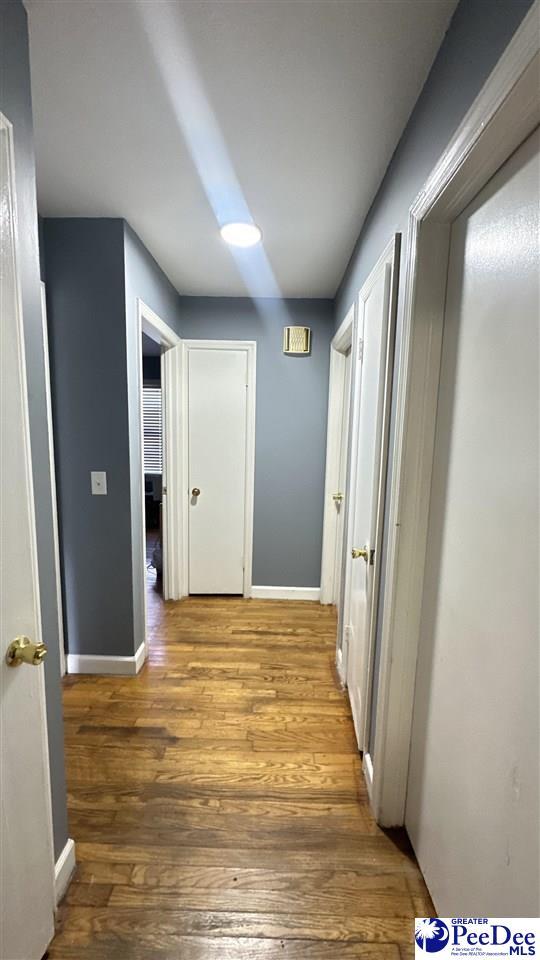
157	553
152	463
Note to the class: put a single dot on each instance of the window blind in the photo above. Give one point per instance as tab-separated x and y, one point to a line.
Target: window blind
153	457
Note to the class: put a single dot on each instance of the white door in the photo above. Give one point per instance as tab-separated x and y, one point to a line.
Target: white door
217	452
376	326
341	496
26	861
472	797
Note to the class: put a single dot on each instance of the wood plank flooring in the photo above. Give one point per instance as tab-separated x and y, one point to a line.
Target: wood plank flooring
217	800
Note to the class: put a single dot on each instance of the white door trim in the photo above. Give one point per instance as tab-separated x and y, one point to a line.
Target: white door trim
154	327
339	346
250	347
505	112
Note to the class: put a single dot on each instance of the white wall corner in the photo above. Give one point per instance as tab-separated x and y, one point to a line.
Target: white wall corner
286	593
119	666
64	869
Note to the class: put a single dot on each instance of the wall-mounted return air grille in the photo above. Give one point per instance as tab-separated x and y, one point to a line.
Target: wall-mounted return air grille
296	339
153	458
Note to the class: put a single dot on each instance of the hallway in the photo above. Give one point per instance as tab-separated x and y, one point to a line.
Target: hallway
217	801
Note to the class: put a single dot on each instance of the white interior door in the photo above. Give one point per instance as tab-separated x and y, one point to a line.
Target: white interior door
376	326
217	459
472	796
26	861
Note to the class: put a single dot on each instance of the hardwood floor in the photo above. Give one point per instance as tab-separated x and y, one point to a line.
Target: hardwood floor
217	800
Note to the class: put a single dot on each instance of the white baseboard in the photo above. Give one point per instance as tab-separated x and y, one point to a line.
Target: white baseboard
63	870
286	593
340	666
123	666
367	767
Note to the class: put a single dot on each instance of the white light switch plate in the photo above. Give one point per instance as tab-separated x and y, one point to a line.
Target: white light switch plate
98	480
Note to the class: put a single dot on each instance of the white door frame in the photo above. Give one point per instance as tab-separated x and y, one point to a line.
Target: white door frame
505	112
340	345
154	327
250	347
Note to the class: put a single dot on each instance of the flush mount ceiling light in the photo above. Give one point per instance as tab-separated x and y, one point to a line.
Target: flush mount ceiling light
241	234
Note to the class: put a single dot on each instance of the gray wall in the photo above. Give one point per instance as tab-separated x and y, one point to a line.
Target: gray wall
84	266
15	104
476	38
477	35
290	444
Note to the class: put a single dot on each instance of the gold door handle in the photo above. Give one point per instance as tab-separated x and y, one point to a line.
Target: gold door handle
195	492
360	553
24	650
338	497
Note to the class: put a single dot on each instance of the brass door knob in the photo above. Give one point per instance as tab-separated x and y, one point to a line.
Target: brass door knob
360	553
195	492
24	650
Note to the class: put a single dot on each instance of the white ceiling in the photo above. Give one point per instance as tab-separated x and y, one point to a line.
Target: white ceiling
173	114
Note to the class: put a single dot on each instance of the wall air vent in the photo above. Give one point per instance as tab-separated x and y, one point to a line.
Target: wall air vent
296	340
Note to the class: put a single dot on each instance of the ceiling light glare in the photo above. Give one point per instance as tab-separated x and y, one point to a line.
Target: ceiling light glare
241	234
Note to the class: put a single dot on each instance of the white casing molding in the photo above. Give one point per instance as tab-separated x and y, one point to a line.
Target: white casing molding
64	869
121	666
286	593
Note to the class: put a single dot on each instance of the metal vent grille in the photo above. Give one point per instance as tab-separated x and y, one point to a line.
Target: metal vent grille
296	339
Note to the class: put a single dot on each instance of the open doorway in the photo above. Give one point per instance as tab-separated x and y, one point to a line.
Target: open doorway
152	463
157	548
